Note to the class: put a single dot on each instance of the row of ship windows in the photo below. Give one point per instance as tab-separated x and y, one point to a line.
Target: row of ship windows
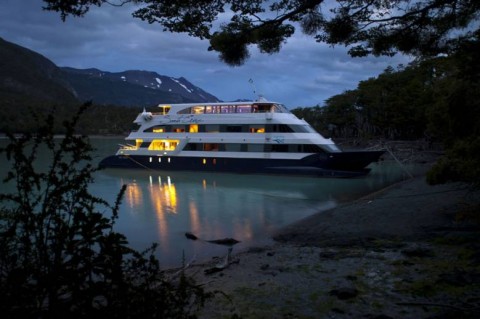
230	128
237	147
222	109
171	145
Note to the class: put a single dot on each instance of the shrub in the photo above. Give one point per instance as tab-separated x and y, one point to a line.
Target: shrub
59	253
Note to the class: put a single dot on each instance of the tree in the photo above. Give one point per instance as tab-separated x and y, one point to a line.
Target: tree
456	117
394	104
59	254
378	27
340	111
423	29
313	116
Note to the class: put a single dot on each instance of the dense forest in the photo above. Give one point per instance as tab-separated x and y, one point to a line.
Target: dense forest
437	99
408	102
24	115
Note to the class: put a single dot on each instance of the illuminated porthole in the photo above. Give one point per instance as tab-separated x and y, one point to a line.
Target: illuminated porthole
150	159
169	159
204	161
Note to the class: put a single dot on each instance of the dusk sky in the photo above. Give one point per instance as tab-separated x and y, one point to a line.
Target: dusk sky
304	73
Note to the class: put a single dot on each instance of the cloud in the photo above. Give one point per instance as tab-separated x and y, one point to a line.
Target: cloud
304	73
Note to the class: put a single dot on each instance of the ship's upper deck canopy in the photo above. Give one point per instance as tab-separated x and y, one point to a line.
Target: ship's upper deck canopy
224	108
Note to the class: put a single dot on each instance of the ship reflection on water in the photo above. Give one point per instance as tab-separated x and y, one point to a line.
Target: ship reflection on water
162	206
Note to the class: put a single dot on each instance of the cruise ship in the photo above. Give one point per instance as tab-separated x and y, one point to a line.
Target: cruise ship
256	137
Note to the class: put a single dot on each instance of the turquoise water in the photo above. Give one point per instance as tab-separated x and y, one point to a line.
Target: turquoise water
162	206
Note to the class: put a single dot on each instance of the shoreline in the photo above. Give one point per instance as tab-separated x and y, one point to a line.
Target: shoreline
409	210
400	252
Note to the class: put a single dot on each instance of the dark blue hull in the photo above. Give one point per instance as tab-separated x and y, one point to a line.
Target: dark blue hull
344	164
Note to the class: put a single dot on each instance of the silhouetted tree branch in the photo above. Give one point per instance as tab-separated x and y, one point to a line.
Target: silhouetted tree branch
378	27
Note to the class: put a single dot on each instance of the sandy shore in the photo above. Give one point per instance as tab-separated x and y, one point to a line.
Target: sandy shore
409	210
403	252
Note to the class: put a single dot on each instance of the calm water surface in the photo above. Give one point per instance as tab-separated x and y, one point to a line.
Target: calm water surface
161	206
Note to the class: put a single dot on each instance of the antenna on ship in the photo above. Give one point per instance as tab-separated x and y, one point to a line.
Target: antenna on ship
259	97
253	86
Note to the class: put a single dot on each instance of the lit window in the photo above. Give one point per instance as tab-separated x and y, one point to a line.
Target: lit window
159	159
159	130
228	108
193	128
169	159
163	145
138	142
198	110
165	108
150	159
204	161
257	130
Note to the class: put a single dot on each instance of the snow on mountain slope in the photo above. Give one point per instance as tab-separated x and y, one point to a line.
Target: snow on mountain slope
151	80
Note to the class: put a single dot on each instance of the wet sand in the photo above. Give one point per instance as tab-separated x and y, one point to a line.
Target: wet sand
402	252
409	210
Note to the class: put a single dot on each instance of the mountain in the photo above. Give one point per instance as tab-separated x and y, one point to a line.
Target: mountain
27	75
134	87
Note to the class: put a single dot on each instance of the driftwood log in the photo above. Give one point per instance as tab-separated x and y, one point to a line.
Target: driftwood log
227	261
223	241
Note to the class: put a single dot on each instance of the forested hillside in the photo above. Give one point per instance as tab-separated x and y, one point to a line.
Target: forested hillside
32	86
437	99
409	102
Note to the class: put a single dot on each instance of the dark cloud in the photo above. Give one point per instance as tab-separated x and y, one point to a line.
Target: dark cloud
304	73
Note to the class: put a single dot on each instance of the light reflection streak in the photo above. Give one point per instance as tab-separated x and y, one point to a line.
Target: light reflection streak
194	218
133	195
171	196
164	201
162	224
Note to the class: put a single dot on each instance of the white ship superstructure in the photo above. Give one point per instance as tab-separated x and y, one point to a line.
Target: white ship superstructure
244	137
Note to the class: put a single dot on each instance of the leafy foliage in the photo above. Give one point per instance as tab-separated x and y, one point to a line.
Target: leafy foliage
59	254
391	106
461	163
378	27
437	99
457	115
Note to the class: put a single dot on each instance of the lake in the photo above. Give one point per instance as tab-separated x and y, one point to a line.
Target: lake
162	206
